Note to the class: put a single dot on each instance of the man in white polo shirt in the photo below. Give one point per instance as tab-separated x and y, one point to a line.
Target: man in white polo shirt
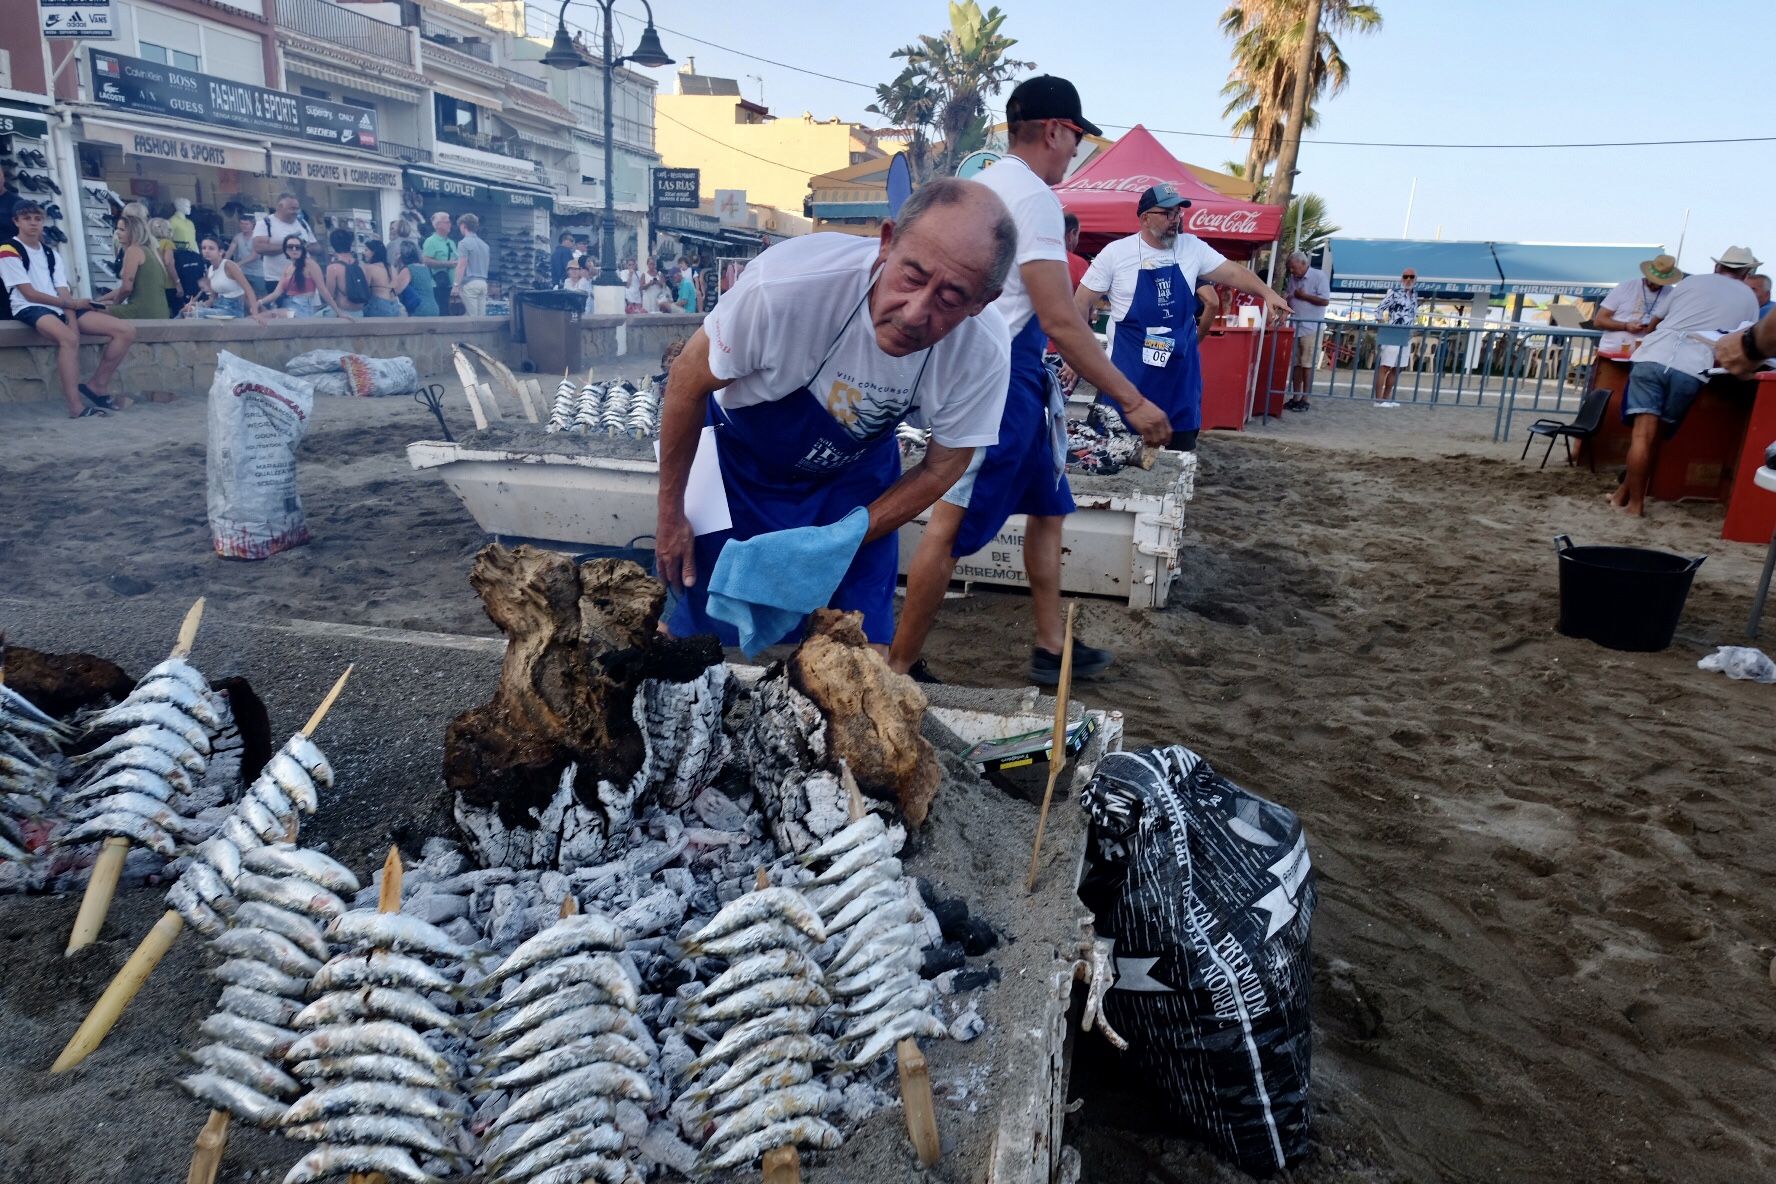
804	369
1025	472
269	233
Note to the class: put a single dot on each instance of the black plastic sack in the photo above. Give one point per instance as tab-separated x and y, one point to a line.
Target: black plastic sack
1207	893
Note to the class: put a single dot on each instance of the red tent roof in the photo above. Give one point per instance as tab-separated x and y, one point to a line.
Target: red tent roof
1103	196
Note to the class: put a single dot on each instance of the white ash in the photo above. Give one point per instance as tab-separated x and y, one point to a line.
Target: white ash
686	744
785	748
967	1026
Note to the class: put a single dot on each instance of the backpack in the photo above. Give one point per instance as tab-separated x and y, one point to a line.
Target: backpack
5	296
357	287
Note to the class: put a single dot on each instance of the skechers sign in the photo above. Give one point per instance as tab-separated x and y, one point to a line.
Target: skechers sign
133	84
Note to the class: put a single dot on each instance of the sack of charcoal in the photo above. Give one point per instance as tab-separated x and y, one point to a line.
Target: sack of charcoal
1207	894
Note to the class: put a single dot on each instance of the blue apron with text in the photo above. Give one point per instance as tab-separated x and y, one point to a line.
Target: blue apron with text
1155	346
789	463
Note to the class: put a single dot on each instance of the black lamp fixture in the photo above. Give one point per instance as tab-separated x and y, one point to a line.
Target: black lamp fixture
565	55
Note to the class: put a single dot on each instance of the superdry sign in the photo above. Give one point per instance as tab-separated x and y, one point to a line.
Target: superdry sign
133	84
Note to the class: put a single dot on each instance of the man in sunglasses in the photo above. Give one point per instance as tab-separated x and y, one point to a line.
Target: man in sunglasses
1025	472
1397	313
1151	278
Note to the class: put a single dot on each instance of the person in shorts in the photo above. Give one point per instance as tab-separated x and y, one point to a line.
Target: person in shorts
1397	313
36	280
1308	294
1666	374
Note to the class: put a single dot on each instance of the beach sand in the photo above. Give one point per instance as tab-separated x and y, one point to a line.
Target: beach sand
1548	873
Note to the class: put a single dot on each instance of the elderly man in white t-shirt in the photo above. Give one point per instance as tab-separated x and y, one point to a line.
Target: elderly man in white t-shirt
1667	372
1025	472
803	371
1627	314
1308	294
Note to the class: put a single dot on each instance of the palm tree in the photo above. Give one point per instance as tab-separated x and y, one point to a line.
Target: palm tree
1305	226
945	83
1266	37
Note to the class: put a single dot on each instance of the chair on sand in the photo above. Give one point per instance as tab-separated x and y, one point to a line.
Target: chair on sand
1582	427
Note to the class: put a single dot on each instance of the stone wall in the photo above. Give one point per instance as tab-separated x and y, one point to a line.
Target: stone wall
180	356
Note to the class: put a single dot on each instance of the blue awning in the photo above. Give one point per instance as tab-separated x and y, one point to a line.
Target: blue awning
1569	269
1446	270
1457	270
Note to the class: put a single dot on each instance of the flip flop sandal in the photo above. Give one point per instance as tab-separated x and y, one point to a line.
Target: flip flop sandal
100	402
89	412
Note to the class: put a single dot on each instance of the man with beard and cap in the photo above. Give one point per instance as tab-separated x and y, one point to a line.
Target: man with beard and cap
1025	472
801	373
1151	278
1628	312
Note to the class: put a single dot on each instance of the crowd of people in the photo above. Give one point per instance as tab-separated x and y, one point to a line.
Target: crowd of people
663	285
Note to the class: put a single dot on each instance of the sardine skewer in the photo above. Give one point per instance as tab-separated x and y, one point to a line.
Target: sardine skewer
129	979
101	885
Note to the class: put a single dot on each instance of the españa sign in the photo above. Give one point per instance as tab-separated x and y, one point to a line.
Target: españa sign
133	84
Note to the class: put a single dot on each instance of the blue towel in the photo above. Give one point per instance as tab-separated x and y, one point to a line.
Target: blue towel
764	585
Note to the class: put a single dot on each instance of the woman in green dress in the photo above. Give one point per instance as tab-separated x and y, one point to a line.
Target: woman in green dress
141	292
413	282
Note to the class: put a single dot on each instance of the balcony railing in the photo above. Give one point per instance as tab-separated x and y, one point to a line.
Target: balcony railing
407	152
329	22
517	79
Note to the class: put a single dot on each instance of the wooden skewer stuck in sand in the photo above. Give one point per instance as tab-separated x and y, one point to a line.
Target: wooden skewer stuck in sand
212	1141
388	900
1057	757
101	885
128	980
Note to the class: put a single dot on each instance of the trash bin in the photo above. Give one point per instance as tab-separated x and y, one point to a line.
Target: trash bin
548	322
1624	598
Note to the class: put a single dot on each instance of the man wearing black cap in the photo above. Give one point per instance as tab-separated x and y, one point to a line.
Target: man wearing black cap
1025	472
1150	278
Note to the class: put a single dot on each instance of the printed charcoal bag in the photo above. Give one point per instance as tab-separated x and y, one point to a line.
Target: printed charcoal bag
1207	893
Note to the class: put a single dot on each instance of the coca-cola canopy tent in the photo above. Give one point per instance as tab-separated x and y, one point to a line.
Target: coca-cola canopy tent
1103	195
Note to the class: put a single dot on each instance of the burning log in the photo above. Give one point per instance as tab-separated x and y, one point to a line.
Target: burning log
835	704
595	715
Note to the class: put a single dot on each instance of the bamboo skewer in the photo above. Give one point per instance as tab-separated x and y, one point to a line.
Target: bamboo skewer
212	1141
388	900
783	1165
123	987
1058	756
101	885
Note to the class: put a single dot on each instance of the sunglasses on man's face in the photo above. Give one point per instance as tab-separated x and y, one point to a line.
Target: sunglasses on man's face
1408	276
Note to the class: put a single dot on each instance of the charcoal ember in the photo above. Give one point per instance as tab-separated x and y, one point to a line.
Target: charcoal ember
978	937
974	978
952	916
719	811
783	739
686	744
660	1146
946	957
967	1026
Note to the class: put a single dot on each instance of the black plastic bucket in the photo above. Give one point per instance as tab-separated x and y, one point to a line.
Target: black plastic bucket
1624	598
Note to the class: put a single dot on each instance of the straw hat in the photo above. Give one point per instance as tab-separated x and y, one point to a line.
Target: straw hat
1738	258
1661	270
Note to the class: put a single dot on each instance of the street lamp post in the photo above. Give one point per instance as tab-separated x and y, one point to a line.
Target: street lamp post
607	296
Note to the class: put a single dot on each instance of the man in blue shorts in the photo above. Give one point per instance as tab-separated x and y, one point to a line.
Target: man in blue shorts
1024	473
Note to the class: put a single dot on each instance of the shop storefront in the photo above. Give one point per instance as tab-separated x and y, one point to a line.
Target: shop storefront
163	135
515	221
36	171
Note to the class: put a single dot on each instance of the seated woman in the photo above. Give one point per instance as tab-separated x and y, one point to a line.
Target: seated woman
382	302
226	290
412	283
141	291
337	277
303	289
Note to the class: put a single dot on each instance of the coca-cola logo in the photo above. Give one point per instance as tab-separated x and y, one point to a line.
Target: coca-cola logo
1223	221
1136	184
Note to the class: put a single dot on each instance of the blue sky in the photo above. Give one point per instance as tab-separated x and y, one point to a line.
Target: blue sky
1493	71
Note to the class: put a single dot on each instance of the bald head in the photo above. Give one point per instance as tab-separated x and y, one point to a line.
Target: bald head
944	260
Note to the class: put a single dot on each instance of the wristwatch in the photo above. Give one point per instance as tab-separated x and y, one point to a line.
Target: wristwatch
1748	340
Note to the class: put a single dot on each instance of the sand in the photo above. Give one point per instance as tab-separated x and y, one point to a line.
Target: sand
1548	901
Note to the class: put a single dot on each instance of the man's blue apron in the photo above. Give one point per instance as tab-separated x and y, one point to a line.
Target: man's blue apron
1155	345
789	463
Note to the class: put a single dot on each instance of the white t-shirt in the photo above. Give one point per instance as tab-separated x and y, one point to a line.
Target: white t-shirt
1313	282
771	332
1119	265
33	269
1635	302
271	266
1698	304
1041	231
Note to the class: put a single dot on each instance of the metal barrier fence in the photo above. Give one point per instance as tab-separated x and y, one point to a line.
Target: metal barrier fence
1511	367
